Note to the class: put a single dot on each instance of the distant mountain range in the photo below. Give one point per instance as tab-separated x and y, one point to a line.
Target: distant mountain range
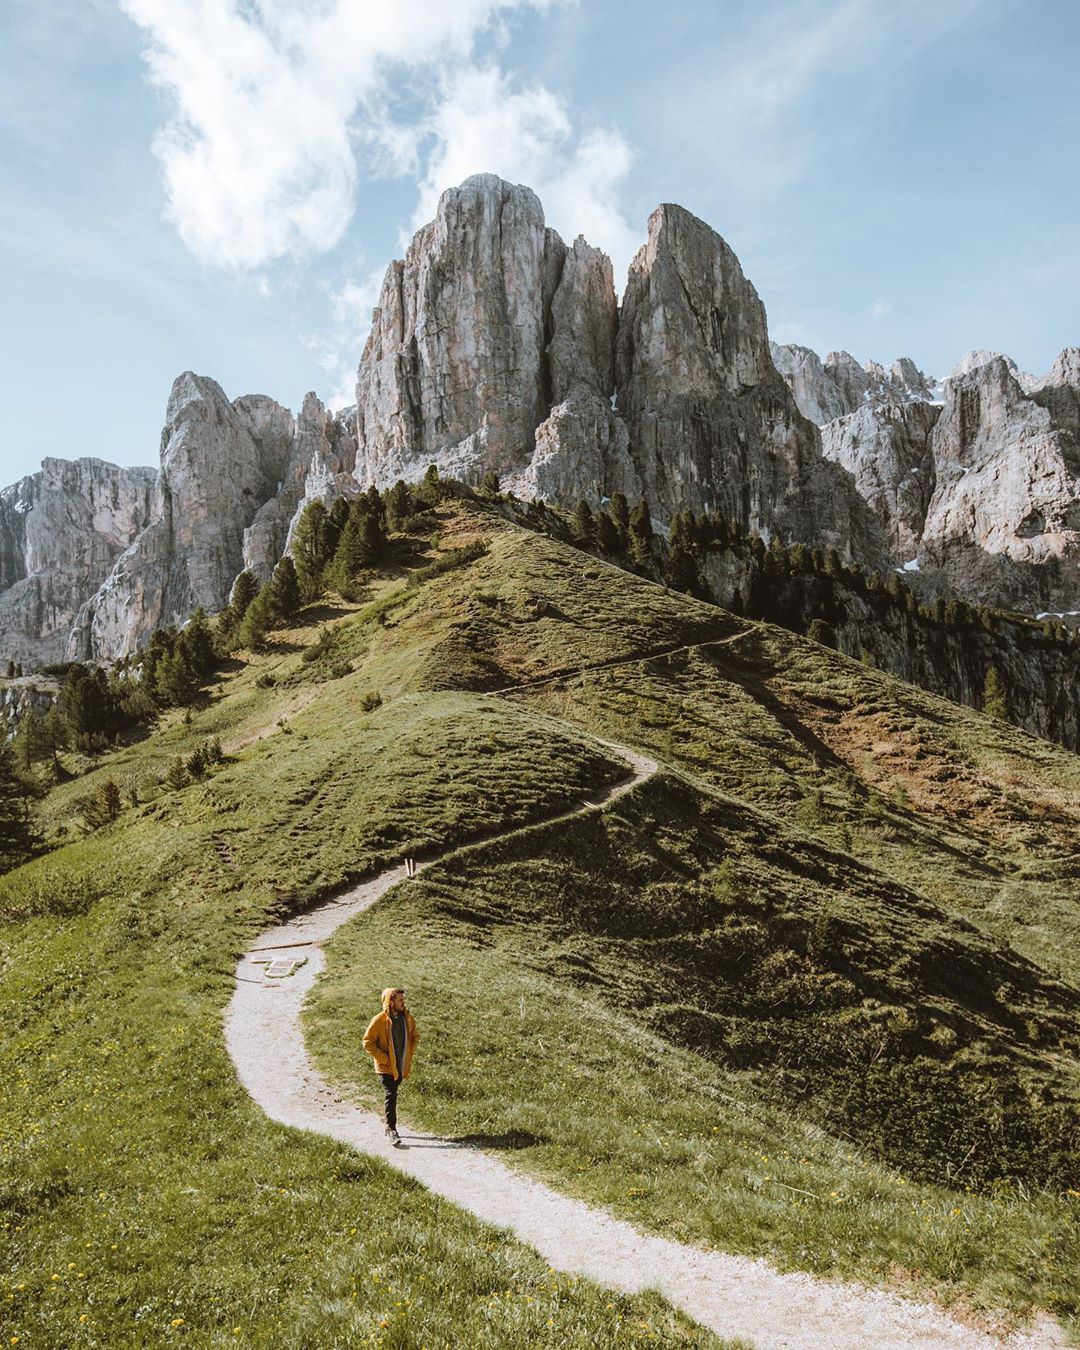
496	347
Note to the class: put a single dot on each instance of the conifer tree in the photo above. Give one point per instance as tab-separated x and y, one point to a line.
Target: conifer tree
489	484
399	505
819	631
362	541
175	683
308	549
994	700
11	670
196	643
641	535
284	589
257	620
245	589
430	490
582	525
682	570
17	835
336	521
608	536
620	516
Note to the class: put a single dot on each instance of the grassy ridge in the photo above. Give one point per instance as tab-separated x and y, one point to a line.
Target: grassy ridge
827	934
726	961
133	1168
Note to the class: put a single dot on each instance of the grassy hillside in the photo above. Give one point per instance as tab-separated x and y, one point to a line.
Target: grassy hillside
813	992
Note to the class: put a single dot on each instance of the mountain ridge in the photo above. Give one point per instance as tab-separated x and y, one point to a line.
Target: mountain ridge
497	348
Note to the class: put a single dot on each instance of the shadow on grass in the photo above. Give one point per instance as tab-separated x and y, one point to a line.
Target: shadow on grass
506	1140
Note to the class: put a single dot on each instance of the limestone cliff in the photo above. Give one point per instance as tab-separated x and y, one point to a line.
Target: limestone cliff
496	348
712	425
61	531
94	557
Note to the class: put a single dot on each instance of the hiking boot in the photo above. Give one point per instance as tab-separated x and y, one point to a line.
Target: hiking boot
393	1136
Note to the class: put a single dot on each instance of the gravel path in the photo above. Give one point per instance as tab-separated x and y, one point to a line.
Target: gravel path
734	1295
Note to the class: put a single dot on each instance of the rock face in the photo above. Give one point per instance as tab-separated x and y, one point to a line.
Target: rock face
840	386
322	456
581	448
219	463
1003	525
495	347
982	491
455	369
887	449
93	557
61	531
712	425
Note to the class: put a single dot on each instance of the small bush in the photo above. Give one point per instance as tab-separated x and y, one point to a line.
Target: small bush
267	681
65	894
321	647
370	701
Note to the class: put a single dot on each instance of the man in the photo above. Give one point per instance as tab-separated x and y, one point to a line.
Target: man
390	1040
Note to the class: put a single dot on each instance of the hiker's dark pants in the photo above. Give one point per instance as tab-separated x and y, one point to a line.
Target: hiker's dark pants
391	1084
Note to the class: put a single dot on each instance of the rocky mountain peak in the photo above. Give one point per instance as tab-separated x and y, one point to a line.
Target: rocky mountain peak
839	385
495	347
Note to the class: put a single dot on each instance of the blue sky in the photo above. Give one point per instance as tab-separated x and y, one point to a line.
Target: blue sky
218	184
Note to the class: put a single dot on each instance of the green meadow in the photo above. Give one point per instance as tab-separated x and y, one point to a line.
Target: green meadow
810	993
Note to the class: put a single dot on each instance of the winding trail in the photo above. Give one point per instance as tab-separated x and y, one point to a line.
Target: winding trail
736	1296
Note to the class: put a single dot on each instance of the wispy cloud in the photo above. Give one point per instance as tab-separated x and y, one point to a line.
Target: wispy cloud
275	100
764	116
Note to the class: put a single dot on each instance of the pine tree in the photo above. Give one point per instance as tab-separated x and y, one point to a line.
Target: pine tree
18	838
430	490
776	558
994	700
308	549
245	589
358	547
335	525
682	570
23	745
196	643
284	589
175	683
819	631
641	535
257	620
103	806
583	526
399	505
489	484
11	670
608	536
620	515
86	707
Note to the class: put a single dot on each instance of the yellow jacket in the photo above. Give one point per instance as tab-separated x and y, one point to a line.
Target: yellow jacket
379	1040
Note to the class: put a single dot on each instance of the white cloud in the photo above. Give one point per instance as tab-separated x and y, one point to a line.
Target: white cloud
270	99
879	308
